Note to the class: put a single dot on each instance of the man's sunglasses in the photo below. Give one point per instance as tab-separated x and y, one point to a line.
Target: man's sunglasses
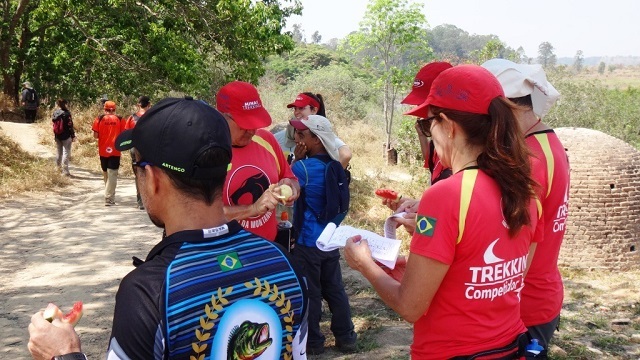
425	125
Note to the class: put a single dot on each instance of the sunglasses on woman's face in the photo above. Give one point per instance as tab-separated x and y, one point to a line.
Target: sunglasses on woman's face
425	125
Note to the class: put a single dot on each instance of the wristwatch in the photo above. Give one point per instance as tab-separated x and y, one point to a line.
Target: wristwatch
71	356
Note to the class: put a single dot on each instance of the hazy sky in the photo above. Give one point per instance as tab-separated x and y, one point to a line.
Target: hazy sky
598	28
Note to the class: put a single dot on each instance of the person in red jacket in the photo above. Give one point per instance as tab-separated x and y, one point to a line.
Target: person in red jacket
106	129
144	103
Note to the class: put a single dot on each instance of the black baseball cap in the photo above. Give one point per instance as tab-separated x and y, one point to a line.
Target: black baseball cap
175	132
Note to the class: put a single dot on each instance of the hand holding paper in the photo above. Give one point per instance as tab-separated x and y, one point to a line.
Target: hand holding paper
383	249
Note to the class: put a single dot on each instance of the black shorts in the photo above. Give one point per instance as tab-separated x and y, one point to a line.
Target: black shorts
111	162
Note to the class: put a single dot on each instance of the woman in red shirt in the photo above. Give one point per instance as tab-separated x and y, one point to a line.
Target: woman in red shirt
462	281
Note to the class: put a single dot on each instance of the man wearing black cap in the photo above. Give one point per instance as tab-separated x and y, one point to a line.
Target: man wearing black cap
207	288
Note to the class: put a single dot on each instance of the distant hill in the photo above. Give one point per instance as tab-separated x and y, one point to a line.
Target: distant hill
595	60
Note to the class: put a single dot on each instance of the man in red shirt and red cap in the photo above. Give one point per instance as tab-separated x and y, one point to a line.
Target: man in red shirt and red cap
106	129
258	161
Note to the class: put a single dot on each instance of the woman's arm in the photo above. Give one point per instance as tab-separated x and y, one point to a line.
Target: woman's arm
344	153
410	298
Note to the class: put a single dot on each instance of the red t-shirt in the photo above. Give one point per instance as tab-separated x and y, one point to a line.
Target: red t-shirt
131	120
477	306
253	168
108	127
543	292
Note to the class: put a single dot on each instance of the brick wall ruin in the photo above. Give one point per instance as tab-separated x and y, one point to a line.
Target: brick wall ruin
603	227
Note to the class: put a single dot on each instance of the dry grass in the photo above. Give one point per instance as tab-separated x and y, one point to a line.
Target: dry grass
621	78
21	171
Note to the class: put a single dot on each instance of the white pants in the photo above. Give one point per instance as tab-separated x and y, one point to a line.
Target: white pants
111	180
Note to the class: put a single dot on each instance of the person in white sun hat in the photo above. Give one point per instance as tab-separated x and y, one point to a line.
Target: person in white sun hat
527	86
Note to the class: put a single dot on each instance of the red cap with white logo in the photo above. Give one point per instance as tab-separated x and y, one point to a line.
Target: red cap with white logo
242	101
303	100
422	83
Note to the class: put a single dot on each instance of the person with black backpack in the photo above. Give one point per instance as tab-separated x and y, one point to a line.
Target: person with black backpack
64	135
324	198
30	102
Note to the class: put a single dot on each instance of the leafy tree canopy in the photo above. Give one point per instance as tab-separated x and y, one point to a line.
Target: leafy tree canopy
303	59
391	44
450	43
81	48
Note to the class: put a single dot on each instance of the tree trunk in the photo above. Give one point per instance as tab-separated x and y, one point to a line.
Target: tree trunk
385	111
10	84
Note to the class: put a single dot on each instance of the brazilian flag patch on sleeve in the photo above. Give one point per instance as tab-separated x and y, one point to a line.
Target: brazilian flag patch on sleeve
229	262
425	225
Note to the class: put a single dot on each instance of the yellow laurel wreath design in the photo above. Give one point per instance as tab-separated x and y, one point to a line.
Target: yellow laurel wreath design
271	291
206	323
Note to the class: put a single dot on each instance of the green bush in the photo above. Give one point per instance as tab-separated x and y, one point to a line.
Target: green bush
592	105
347	97
408	145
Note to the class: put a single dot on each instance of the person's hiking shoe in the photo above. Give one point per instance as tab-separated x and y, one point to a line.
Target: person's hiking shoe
140	206
109	203
347	348
315	350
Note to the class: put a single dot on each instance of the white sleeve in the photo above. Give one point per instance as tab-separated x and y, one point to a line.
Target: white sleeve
115	352
339	143
299	345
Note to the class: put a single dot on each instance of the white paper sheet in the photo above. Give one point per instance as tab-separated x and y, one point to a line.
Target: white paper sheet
383	249
391	224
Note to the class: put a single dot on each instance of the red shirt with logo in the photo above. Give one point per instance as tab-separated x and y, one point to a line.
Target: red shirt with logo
543	292
108	127
477	306
253	168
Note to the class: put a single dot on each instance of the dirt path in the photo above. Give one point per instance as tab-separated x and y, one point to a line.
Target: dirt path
66	246
27	136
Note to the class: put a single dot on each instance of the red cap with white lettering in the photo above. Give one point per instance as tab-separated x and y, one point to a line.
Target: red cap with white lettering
242	101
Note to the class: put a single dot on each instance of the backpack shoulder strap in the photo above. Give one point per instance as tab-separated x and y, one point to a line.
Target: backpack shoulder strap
306	174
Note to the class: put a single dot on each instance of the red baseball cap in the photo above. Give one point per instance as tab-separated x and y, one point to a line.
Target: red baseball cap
468	88
423	80
303	100
242	101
